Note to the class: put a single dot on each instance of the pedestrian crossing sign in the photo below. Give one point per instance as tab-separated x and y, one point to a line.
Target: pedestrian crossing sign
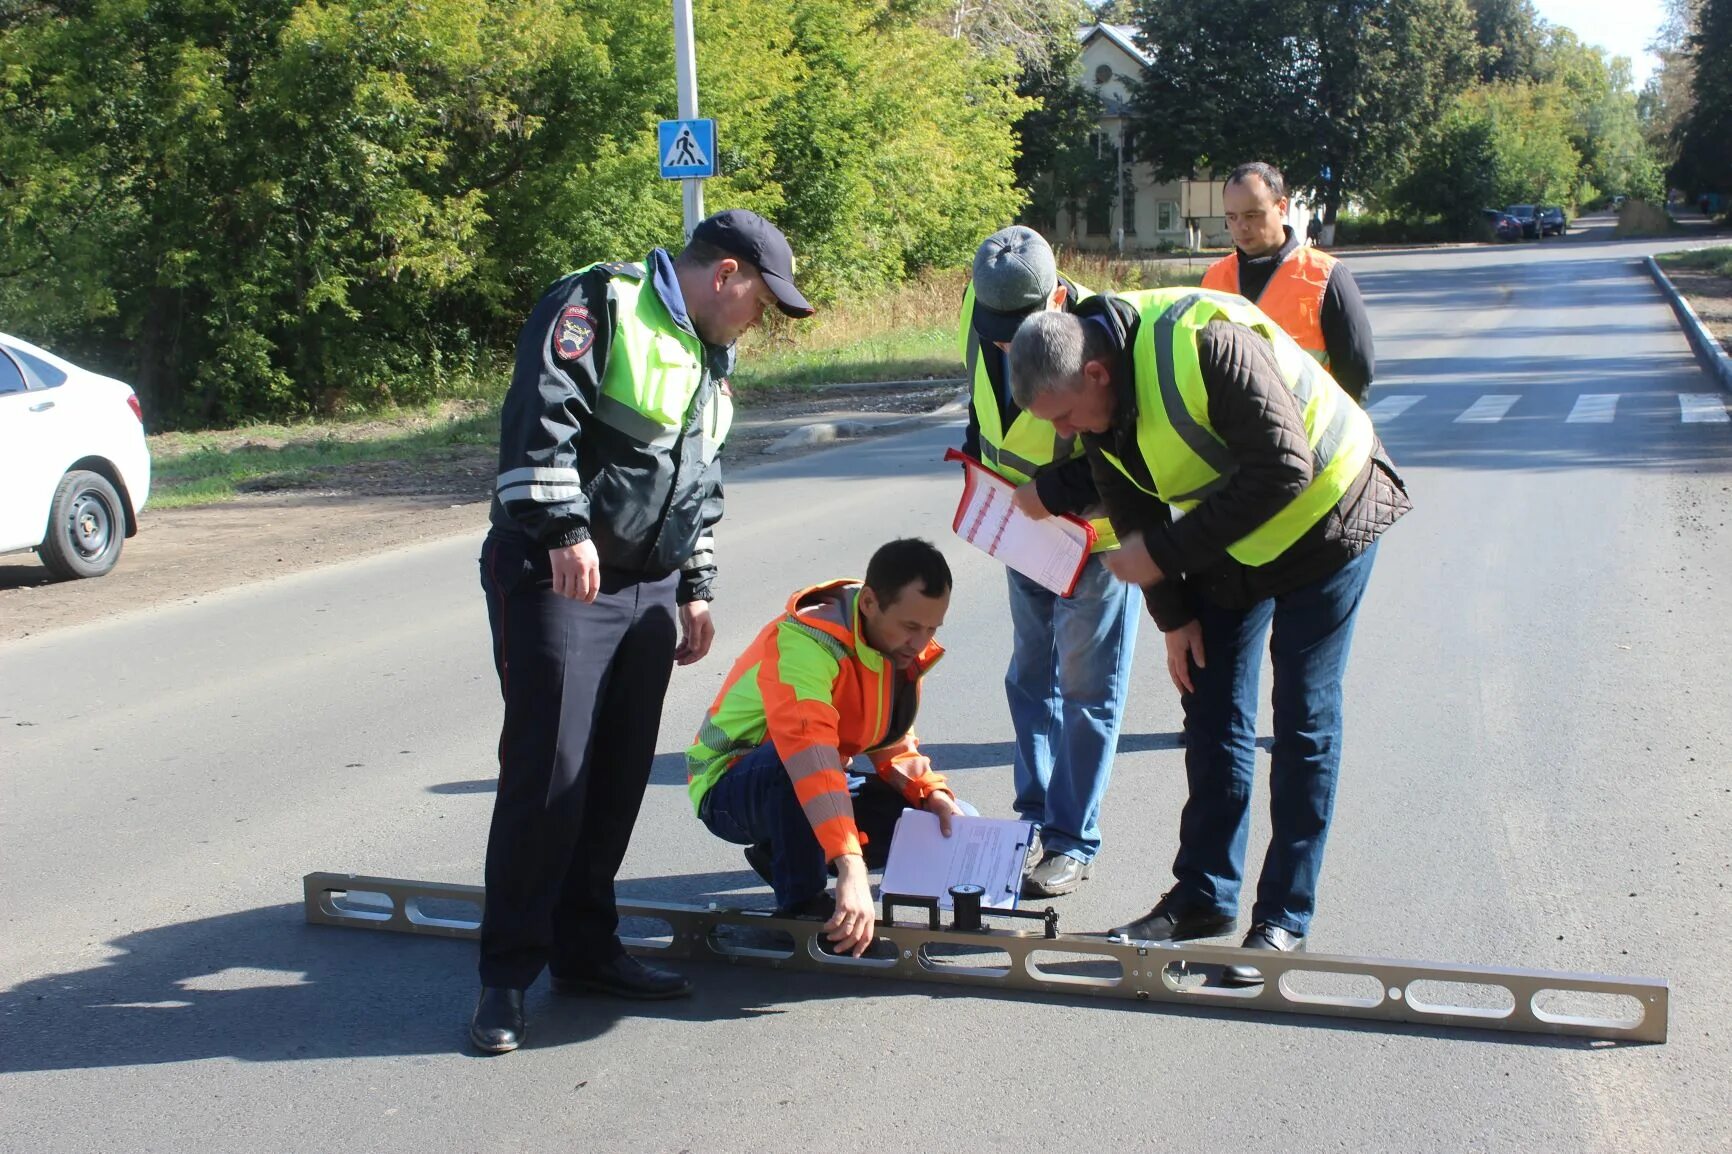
687	148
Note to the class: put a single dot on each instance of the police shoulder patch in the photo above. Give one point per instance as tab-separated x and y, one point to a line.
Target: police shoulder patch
574	334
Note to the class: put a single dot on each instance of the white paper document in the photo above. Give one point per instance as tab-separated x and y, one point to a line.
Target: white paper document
1051	550
982	851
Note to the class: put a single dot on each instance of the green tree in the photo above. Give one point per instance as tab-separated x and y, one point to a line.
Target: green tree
1499	144
1347	86
264	208
1667	98
894	148
1535	161
1455	174
1036	32
1511	37
1566	132
1606	127
1704	161
1058	163
273	207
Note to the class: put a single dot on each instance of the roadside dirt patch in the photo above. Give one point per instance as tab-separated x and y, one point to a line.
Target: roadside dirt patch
182	554
1711	296
320	516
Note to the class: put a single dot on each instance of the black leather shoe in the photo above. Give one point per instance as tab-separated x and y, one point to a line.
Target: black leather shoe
497	1027
622	977
1057	873
758	856
1262	937
1171	921
1036	851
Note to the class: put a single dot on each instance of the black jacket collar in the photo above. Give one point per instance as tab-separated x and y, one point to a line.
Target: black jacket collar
1120	319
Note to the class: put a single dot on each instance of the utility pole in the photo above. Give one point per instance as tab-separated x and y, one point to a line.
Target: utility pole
1119	185
686	80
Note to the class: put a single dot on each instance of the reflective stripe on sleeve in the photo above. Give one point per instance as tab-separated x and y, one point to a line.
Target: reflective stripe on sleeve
541	494
561	476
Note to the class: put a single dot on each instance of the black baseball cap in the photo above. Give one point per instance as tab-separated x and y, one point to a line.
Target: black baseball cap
748	236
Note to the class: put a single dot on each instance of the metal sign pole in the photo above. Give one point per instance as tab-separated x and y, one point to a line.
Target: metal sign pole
686	79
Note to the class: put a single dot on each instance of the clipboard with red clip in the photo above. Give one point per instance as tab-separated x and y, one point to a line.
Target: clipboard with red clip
1050	551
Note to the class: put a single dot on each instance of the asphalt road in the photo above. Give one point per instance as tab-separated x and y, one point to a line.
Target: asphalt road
1535	775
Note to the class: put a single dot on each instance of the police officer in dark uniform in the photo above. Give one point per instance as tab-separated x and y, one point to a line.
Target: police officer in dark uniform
609	489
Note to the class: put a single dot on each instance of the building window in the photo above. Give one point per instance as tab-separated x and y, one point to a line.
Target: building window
1098	216
1103	74
1128	209
1167	216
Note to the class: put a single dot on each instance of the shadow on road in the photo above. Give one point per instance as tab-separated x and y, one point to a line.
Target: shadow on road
264	986
953	757
23	571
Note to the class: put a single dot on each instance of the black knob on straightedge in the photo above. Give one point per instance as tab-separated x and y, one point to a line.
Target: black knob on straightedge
965	902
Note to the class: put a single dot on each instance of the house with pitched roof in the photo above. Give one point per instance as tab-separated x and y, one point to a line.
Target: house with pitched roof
1139	213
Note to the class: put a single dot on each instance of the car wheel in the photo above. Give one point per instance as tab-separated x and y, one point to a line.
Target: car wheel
86	527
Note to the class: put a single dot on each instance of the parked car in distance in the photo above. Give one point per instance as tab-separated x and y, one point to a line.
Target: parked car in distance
1552	222
74	467
1529	219
1503	225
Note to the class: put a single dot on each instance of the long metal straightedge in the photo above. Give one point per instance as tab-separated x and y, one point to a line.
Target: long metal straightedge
1374	989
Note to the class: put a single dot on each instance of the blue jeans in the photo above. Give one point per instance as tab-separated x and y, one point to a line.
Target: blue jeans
754	802
1312	629
1070	663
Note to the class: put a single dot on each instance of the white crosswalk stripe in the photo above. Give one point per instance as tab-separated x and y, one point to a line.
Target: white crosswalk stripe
1390	407
1702	408
1586	409
1489	408
1594	409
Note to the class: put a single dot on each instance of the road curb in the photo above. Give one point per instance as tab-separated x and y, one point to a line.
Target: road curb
826	432
1708	350
869	386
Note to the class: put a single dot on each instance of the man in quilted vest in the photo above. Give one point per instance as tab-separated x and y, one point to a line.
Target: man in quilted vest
1249	494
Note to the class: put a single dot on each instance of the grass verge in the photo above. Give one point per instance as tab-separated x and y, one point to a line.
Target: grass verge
1716	260
1704	276
208	467
902	334
907	333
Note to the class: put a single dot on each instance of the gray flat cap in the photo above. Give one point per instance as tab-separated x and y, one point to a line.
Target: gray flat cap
1014	274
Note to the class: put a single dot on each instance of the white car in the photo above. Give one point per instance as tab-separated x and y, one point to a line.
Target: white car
74	468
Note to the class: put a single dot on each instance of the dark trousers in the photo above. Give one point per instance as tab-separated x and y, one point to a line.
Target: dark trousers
583	687
754	802
1312	631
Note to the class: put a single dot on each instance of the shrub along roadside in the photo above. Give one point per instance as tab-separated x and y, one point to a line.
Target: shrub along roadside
1639	218
275	209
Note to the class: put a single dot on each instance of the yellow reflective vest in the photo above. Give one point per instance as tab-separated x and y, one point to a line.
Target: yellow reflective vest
1029	444
653	371
1187	461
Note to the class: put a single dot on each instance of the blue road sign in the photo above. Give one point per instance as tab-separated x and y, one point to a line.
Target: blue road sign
687	148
